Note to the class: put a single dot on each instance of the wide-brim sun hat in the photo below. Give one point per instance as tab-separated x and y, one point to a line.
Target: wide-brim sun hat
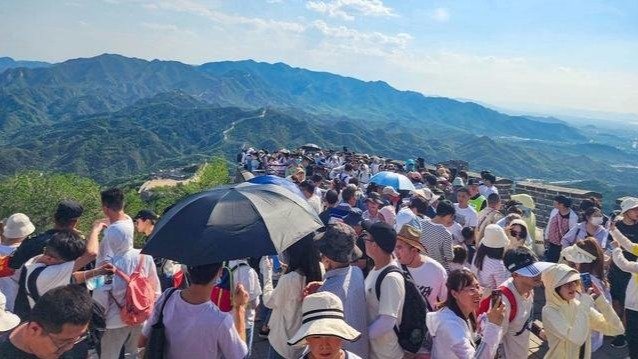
18	225
411	236
494	237
322	315
8	320
628	203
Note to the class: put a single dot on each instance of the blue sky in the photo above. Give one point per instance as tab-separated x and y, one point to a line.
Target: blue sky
533	55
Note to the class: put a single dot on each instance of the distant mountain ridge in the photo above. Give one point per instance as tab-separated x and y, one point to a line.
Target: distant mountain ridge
111	82
9	63
111	117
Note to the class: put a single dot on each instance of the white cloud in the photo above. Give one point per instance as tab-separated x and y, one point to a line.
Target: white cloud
343	32
345	9
440	14
196	8
166	28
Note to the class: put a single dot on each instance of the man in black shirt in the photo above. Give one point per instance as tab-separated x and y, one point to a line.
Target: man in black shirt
618	279
65	217
59	320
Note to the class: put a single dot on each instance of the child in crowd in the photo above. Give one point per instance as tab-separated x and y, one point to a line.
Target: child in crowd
460	258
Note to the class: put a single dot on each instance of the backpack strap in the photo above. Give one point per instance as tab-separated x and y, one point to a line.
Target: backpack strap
409	277
31	285
160	319
381	277
510	298
240	264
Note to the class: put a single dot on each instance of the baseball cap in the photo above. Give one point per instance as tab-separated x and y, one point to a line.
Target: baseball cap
146	214
382	234
68	209
338	242
522	261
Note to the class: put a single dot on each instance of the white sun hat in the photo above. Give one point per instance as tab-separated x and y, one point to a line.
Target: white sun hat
323	315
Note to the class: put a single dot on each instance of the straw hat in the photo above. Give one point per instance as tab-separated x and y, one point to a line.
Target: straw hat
18	225
411	236
323	315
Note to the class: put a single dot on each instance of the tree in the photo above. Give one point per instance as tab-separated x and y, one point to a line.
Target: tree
37	194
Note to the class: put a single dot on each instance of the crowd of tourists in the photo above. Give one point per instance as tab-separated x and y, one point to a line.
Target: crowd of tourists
448	269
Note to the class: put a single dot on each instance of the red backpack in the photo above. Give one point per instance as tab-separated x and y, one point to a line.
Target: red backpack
484	307
139	297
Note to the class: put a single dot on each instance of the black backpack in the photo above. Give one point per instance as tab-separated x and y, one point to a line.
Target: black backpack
412	331
26	288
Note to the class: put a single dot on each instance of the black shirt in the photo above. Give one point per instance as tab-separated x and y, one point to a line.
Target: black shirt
8	350
631	232
30	248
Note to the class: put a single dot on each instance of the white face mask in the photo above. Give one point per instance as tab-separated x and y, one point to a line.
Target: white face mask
596	221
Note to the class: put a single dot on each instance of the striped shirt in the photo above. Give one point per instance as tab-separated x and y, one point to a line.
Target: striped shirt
437	241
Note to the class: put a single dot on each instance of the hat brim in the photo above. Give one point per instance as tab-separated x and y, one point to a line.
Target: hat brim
630	208
325	327
415	244
568	278
8	321
377	201
534	269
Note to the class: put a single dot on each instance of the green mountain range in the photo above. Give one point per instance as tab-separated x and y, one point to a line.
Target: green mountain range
111	117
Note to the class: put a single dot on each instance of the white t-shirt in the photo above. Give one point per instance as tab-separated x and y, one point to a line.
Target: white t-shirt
470	215
118	231
516	346
392	296
247	276
315	203
9	285
457	233
485	191
52	276
196	330
430	279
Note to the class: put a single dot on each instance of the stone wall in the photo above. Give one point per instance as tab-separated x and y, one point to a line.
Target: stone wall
544	194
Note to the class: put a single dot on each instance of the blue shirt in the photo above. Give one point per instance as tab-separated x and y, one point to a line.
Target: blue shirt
347	284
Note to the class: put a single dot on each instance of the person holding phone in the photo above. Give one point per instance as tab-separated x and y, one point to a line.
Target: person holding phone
587	257
454	328
571	314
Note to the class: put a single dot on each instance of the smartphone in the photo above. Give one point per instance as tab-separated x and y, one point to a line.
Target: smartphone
586	279
535	328
495	298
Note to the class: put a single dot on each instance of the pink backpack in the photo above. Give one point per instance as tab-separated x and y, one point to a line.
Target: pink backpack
139	297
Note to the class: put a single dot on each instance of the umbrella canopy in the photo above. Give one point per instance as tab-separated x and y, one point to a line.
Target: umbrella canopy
228	222
393	179
279	181
311	147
